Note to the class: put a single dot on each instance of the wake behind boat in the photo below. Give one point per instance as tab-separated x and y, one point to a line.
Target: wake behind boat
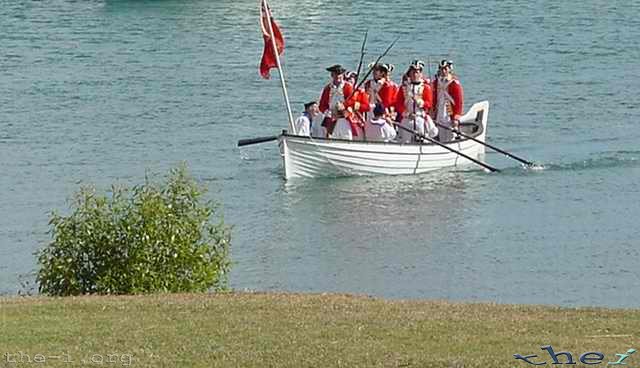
308	157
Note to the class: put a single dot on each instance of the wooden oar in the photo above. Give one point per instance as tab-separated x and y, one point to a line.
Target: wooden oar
364	43
355	88
246	142
457	131
490	168
362	53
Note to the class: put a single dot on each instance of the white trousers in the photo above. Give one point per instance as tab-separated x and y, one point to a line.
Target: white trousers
420	125
445	135
342	130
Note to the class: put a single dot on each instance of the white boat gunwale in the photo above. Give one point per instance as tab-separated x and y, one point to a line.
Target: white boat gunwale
477	123
309	157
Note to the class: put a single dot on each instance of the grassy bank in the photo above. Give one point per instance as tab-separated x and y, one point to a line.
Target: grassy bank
290	330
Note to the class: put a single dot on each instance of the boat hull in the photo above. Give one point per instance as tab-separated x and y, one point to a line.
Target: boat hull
305	157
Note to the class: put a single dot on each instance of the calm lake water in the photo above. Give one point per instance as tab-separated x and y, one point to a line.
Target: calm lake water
104	91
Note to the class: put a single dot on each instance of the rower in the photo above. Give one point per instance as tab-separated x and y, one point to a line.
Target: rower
379	127
304	123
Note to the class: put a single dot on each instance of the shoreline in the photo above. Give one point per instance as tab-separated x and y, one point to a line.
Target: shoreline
34	295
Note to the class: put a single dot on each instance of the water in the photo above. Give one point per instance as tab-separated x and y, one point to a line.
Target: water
102	91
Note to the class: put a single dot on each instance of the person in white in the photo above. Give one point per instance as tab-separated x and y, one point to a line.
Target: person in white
378	127
303	125
317	130
342	129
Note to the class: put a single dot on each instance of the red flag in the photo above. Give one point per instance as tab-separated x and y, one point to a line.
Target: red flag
268	55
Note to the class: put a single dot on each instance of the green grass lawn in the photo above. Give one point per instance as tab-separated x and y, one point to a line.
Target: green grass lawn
293	330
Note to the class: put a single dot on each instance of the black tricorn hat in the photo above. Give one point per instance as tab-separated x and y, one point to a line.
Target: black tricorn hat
336	69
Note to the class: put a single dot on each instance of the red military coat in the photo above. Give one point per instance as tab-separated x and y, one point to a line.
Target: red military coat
385	94
455	91
358	104
328	93
404	102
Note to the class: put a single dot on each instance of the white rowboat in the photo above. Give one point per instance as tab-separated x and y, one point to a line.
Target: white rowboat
318	157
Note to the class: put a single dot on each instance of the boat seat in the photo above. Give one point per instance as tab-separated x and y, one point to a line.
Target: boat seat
470	128
473	127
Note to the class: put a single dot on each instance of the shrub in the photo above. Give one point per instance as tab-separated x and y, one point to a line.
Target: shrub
151	238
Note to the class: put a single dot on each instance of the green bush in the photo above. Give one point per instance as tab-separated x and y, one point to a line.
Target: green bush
152	238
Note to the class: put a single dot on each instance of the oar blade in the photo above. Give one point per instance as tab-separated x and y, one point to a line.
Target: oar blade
246	142
508	154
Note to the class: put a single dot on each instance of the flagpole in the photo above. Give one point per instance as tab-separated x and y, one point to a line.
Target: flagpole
282	82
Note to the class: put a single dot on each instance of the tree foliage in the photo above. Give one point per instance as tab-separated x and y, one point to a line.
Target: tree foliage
155	237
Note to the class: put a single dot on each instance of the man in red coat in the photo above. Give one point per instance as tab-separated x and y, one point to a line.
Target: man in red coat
333	93
413	103
357	106
381	89
449	100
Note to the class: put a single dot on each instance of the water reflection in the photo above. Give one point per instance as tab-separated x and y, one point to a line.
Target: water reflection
378	235
377	200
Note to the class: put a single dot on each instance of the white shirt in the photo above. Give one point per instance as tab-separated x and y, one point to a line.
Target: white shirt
379	130
303	125
317	130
